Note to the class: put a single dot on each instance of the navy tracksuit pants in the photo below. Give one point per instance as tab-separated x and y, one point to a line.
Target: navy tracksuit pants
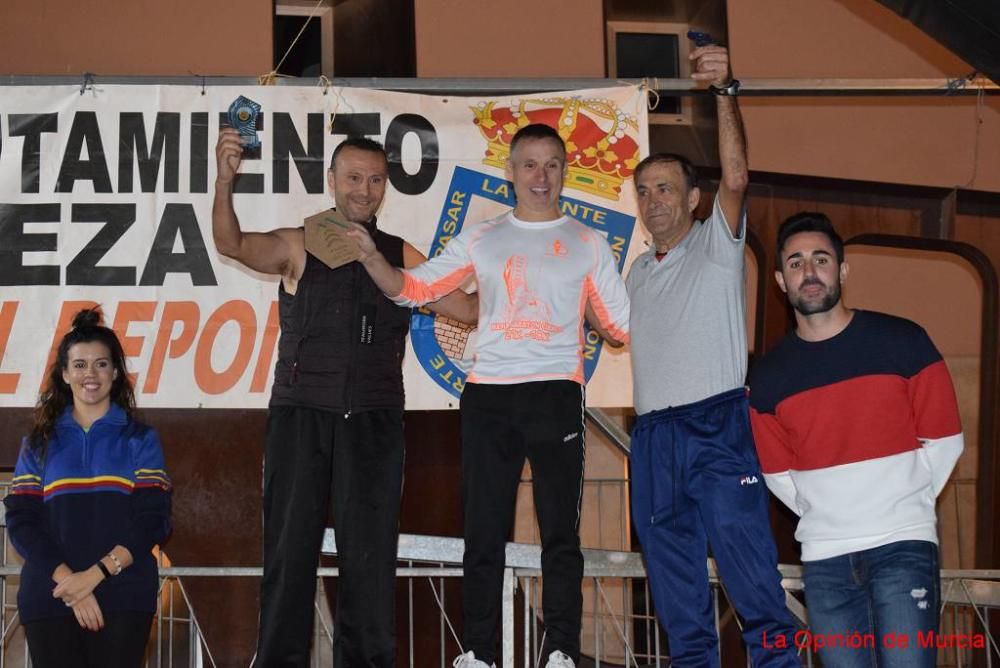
696	480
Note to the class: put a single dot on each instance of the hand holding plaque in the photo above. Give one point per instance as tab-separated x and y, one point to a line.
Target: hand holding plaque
327	240
243	114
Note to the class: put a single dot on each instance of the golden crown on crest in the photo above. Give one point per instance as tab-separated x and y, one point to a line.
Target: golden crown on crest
601	148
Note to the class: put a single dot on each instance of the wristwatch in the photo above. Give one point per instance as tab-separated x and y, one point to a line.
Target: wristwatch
730	89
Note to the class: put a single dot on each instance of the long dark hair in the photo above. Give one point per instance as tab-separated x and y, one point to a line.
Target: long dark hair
57	395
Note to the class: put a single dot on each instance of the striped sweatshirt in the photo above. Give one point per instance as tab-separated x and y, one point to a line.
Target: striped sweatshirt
857	434
96	489
535	279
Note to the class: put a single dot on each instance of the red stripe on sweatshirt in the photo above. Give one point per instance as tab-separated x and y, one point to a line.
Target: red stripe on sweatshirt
935	408
851	421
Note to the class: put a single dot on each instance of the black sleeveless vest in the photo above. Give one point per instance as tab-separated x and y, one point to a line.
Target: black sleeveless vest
342	341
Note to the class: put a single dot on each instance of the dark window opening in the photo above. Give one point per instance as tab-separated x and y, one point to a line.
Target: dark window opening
641	55
306	58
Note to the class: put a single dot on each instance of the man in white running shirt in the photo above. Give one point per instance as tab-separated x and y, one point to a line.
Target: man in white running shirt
540	273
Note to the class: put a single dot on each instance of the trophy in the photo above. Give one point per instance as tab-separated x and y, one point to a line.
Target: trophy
243	114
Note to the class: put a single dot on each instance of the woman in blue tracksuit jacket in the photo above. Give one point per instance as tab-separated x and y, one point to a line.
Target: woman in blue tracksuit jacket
89	500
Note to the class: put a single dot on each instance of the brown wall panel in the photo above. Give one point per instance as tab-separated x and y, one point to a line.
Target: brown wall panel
374	38
834	38
981	229
14	424
139	37
214	459
518	38
921	141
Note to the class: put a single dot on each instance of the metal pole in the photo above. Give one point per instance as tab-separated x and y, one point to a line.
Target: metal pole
610	429
536	639
508	617
768	87
718	631
526	586
441	619
597	626
170	624
409	596
159	629
194	645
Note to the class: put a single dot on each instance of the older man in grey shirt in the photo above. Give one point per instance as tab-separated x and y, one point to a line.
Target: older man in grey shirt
695	475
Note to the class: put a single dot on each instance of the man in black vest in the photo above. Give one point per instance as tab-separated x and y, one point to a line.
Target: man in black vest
336	416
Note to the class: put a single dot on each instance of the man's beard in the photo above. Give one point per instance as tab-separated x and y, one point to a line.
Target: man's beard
829	300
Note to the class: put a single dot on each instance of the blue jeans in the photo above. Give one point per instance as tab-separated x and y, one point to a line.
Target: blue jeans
887	595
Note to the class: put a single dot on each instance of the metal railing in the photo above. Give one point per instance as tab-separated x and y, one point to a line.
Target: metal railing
621	625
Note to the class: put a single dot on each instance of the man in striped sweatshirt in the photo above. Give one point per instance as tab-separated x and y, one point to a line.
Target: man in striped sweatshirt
857	428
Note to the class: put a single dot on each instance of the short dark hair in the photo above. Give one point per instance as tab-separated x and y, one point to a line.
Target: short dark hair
690	173
537	131
809	221
360	143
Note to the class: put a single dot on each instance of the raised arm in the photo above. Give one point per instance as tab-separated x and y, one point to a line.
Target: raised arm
712	65
277	252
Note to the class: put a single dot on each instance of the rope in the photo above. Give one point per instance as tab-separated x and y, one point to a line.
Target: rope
977	127
440	604
652	94
269	78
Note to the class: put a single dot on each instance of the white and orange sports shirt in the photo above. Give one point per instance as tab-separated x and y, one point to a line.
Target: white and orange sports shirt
535	279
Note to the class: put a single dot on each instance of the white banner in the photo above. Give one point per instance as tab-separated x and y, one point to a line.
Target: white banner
106	198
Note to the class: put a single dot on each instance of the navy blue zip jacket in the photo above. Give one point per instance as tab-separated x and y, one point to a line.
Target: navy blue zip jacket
95	489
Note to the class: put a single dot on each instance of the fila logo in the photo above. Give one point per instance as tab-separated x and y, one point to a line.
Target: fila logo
749	480
569	437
